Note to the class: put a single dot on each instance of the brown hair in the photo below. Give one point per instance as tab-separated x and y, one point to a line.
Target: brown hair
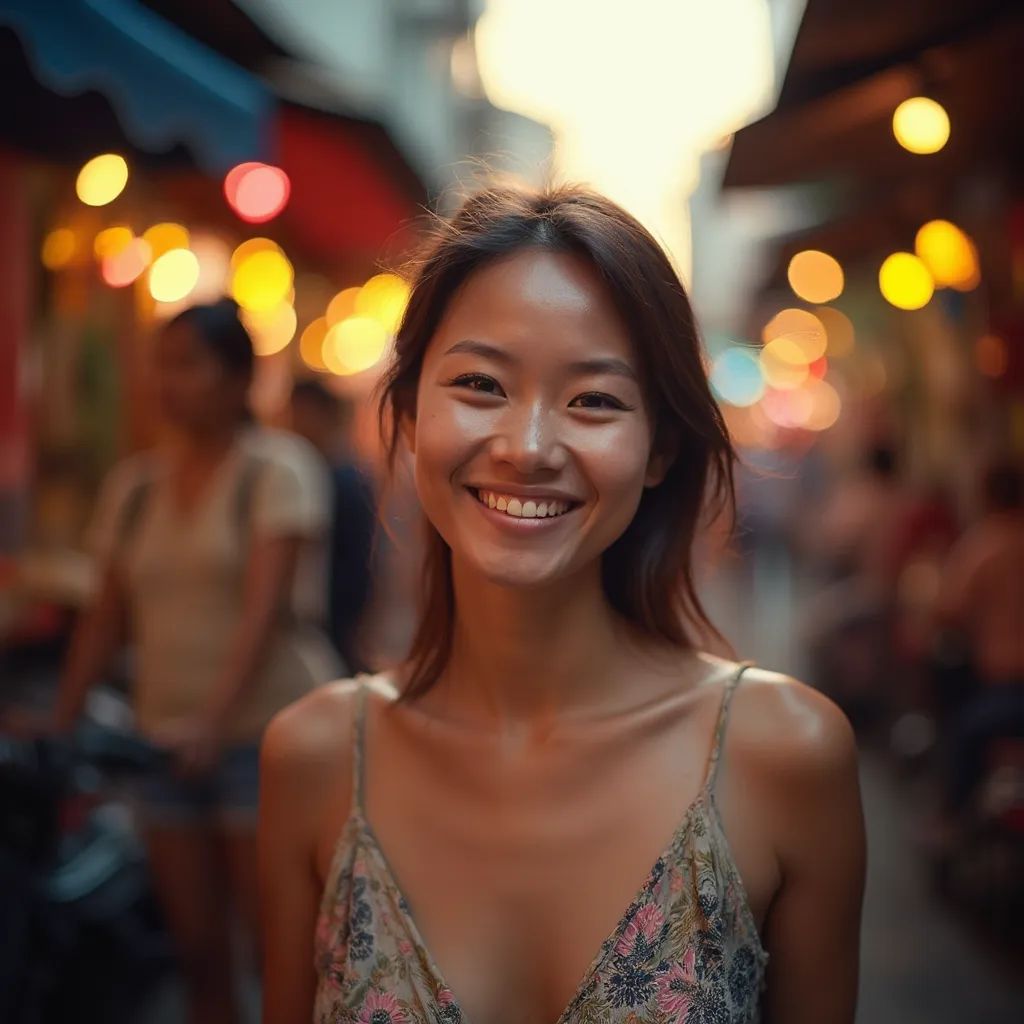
647	573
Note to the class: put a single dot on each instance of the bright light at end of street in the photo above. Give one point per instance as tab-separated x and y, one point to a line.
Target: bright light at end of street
640	93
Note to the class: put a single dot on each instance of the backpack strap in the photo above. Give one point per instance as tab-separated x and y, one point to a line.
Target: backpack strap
134	505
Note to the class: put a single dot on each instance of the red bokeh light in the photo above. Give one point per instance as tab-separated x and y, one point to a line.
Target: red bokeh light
256	192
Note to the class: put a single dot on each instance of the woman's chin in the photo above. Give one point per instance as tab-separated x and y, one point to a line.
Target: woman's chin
520	572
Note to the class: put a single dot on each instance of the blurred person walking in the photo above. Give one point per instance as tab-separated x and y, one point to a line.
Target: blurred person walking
981	598
849	626
555	767
206	546
324	419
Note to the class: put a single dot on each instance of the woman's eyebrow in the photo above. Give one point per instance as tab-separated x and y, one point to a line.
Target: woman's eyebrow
598	364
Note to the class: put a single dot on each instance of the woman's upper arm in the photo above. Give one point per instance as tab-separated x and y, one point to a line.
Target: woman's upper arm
292	491
813	926
303	765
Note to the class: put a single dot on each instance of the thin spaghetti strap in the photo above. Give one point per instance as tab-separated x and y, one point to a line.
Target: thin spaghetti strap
358	750
720	726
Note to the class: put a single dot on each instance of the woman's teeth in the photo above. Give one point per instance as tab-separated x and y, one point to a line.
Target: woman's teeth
523	509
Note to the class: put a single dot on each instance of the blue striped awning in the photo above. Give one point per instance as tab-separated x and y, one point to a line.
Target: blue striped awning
164	86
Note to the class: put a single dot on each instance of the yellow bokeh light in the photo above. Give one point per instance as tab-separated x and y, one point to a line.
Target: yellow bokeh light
102	179
110	241
354	345
783	364
383	298
173	275
921	125
311	344
165	237
905	281
272	330
262	280
815	276
800	328
250	247
949	255
342	305
59	248
838	331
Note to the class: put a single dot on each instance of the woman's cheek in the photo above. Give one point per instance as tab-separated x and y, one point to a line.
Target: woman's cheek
617	466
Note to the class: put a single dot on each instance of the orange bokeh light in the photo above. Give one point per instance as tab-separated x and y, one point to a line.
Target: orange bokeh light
119	269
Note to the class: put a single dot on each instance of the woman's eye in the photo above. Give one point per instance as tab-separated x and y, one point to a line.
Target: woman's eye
476	382
599	400
485	385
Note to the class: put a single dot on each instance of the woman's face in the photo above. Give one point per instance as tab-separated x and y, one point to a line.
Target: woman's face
195	390
529	401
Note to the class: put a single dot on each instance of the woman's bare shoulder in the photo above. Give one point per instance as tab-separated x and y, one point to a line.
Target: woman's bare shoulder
790	722
314	734
794	748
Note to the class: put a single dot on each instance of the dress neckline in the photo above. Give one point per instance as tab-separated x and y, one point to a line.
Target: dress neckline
357	821
703	803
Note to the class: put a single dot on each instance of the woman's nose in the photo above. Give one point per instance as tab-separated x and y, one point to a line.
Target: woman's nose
528	438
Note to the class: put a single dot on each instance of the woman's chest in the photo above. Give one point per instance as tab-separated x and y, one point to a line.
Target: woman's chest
518	876
546	935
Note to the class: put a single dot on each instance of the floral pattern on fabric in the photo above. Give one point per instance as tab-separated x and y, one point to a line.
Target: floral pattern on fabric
686	951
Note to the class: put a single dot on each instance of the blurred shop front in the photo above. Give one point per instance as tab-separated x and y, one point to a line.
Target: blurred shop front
895	134
148	164
870	345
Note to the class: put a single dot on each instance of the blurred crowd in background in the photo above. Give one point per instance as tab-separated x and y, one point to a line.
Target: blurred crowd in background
841	186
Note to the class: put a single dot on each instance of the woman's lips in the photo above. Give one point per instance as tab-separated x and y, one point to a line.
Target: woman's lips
518	523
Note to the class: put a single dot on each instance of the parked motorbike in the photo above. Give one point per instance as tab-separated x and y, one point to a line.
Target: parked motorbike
984	870
80	934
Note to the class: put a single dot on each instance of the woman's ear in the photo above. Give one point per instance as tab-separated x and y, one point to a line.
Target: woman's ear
659	462
657	466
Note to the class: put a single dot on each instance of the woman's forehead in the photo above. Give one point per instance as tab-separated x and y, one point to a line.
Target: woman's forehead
536	296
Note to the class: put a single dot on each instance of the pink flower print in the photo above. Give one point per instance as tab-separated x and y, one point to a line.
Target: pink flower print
675	885
642	931
324	931
382	1008
674	989
405	947
359	867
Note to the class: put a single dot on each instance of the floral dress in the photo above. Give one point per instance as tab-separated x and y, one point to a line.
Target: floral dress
686	950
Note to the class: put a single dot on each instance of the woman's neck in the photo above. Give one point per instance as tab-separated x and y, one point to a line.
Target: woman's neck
203	446
523	656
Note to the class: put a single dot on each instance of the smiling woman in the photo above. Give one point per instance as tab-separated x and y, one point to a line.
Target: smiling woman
572	835
600	341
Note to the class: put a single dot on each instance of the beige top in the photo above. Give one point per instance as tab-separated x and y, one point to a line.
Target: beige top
184	573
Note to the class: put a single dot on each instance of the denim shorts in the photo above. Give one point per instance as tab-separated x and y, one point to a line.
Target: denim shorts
227	795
